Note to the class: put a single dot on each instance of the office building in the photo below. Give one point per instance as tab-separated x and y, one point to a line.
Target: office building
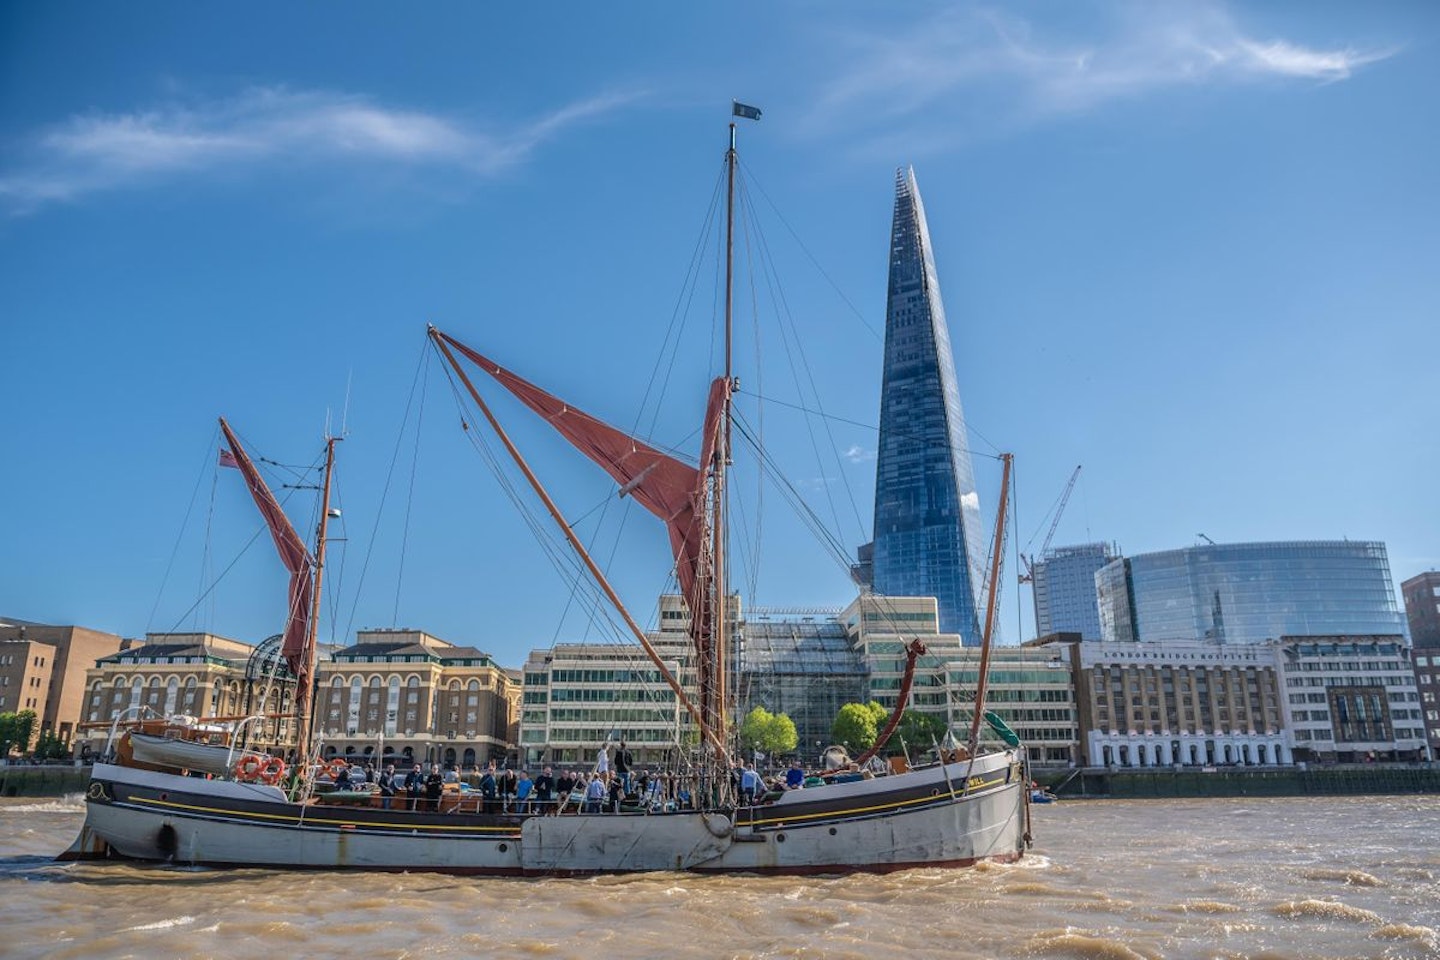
1063	589
1351	699
1181	703
1244	593
928	539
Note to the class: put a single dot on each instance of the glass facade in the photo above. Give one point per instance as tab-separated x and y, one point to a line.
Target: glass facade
1250	592
804	668
1064	590
928	536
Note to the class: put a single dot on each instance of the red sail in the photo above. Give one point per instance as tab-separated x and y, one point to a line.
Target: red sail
672	490
295	557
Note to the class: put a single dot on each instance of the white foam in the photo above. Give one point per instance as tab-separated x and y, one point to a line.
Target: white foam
163	924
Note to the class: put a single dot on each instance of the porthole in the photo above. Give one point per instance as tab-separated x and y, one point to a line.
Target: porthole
832	831
779	838
503	847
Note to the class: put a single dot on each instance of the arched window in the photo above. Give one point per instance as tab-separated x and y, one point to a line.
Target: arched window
375	683
412	681
454	686
337	681
172	694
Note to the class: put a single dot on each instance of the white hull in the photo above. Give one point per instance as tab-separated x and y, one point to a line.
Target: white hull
889	823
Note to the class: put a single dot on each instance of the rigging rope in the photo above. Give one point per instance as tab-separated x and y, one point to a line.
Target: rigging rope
422	365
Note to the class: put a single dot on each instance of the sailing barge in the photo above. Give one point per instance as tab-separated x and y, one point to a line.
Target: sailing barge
973	807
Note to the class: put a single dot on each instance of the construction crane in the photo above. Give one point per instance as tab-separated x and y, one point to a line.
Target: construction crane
1029	561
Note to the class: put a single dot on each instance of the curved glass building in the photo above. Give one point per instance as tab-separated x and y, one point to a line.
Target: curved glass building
1250	592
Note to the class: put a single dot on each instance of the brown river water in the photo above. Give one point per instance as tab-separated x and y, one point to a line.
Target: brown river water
1278	879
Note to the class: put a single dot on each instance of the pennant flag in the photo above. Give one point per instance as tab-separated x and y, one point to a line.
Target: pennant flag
745	110
227	459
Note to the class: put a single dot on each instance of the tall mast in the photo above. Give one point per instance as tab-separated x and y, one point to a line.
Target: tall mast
304	719
997	551
721	637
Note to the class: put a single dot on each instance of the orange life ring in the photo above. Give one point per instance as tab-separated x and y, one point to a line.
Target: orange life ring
273	771
248	767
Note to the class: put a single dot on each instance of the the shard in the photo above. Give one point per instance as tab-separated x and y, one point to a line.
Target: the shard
928	537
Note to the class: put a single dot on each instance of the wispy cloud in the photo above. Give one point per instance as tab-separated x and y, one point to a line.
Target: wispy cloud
269	126
858	454
967	65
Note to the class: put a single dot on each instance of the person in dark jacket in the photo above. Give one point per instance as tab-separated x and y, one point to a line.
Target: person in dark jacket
488	788
387	786
434	786
414	786
545	792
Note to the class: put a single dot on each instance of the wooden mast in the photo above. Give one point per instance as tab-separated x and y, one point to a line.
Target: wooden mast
720	636
997	550
304	717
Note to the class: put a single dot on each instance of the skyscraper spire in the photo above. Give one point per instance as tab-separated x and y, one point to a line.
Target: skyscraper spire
928	535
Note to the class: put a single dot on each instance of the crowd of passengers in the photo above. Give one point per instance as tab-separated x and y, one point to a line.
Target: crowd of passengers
615	784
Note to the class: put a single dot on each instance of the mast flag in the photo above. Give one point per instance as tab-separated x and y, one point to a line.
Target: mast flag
744	110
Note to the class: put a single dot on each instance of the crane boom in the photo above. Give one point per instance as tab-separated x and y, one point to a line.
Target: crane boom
1029	561
1059	509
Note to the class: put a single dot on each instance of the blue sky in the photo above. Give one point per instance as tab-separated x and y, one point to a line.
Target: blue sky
1190	246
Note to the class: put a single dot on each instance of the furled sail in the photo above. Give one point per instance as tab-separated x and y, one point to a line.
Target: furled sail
669	488
293	554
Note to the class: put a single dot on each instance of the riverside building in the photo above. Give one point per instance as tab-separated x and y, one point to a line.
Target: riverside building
1351	699
1031	691
43	668
404	696
195	674
928	540
1191	703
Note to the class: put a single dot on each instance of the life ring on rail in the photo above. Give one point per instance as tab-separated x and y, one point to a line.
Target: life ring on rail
335	766
273	771
248	767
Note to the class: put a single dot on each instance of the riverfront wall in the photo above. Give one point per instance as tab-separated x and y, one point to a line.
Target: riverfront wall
1369	779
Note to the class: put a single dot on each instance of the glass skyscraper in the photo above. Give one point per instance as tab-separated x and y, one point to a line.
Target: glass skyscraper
1250	592
1063	583
928	537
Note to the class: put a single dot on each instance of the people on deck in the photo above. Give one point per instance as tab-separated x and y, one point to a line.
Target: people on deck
523	787
749	784
623	762
342	779
795	776
387	786
434	787
545	791
489	789
594	794
602	763
414	787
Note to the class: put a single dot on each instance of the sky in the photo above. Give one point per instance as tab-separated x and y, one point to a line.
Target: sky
1190	247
